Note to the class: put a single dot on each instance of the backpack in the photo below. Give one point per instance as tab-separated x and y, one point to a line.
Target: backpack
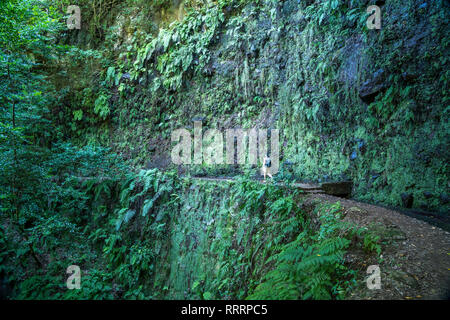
268	163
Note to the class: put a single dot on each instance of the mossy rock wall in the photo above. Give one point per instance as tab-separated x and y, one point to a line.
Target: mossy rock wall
209	243
350	103
188	239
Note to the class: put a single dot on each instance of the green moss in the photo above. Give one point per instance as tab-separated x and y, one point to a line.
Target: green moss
297	68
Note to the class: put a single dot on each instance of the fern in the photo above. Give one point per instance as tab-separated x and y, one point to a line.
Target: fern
310	266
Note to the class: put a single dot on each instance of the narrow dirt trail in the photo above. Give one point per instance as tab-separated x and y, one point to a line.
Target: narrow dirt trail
416	262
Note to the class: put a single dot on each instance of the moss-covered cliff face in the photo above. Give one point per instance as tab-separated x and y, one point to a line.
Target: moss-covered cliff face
350	103
153	235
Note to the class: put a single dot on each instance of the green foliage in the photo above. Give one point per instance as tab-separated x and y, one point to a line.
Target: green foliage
102	106
135	72
372	243
220	61
312	265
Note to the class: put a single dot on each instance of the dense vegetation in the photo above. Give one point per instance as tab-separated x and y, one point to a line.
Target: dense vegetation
350	103
82	111
151	235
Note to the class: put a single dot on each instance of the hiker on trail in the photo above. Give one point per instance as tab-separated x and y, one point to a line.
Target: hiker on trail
267	163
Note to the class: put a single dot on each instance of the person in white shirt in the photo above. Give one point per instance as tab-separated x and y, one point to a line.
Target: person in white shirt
267	163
